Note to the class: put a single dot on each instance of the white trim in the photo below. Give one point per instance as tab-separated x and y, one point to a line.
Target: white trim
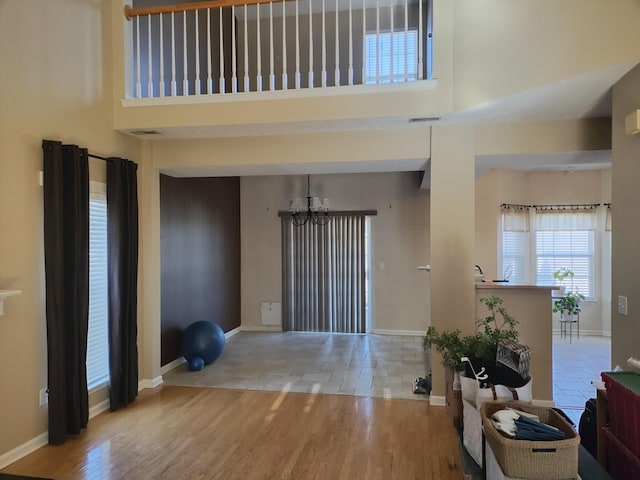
41	440
171	365
233	332
407	333
24	449
418	85
99	408
261	328
150	383
437	401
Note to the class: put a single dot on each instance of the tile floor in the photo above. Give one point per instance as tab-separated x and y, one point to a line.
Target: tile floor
575	365
362	365
371	365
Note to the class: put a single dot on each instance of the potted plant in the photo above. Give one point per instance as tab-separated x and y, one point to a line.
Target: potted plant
568	305
568	302
497	326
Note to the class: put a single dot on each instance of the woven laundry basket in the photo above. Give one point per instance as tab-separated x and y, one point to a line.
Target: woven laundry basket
553	460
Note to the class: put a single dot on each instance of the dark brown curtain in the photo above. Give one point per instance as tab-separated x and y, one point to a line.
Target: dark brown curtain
122	248
66	257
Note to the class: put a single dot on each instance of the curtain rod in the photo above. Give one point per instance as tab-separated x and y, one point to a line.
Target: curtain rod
571	205
96	156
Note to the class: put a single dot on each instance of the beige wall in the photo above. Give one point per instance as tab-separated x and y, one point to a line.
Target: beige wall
539	43
625	331
55	84
400	240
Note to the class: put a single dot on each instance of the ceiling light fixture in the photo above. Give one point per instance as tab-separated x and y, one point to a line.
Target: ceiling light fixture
315	210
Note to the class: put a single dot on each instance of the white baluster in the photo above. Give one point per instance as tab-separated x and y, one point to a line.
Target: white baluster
161	79
297	47
174	84
324	49
406	40
391	8
377	41
351	44
149	60
272	75
222	85
209	79
284	48
185	81
420	40
198	89
246	52
364	42
259	51
138	84
310	46
337	72
234	77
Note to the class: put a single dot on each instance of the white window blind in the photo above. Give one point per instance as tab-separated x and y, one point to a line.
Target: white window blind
97	341
387	52
514	255
572	249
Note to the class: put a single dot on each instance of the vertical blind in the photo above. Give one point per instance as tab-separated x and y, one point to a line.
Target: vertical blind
324	275
97	341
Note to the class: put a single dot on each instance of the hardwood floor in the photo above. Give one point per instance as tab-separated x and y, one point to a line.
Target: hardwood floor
198	433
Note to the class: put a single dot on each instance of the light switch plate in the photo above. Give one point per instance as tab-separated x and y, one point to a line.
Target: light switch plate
622	305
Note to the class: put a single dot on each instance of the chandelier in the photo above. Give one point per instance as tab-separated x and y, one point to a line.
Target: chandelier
315	209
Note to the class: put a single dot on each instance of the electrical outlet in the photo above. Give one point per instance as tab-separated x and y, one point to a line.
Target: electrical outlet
622	305
43	396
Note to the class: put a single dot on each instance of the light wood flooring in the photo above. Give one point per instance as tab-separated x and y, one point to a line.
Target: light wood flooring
204	433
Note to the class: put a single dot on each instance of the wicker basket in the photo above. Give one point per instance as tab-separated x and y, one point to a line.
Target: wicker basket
551	460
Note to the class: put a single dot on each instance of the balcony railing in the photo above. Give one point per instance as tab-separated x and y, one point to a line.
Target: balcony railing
211	48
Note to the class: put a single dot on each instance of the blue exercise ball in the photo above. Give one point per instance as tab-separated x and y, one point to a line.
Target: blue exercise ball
196	363
203	339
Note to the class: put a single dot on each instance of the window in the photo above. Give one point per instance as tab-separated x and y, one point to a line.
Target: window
557	239
391	57
97	340
515	255
572	249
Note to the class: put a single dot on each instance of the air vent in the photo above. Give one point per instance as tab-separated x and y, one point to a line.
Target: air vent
423	119
145	132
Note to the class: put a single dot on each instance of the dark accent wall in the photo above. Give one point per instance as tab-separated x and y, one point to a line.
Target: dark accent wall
200	256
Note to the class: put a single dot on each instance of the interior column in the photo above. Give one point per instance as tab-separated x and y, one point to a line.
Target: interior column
452	237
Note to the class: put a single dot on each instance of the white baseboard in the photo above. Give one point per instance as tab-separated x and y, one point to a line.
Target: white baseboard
437	400
407	333
150	383
99	408
171	365
261	328
23	450
231	333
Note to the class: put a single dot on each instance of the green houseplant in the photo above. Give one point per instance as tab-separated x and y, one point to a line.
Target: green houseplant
569	302
498	325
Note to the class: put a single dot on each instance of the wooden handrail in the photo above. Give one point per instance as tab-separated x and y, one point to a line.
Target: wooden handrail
130	12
